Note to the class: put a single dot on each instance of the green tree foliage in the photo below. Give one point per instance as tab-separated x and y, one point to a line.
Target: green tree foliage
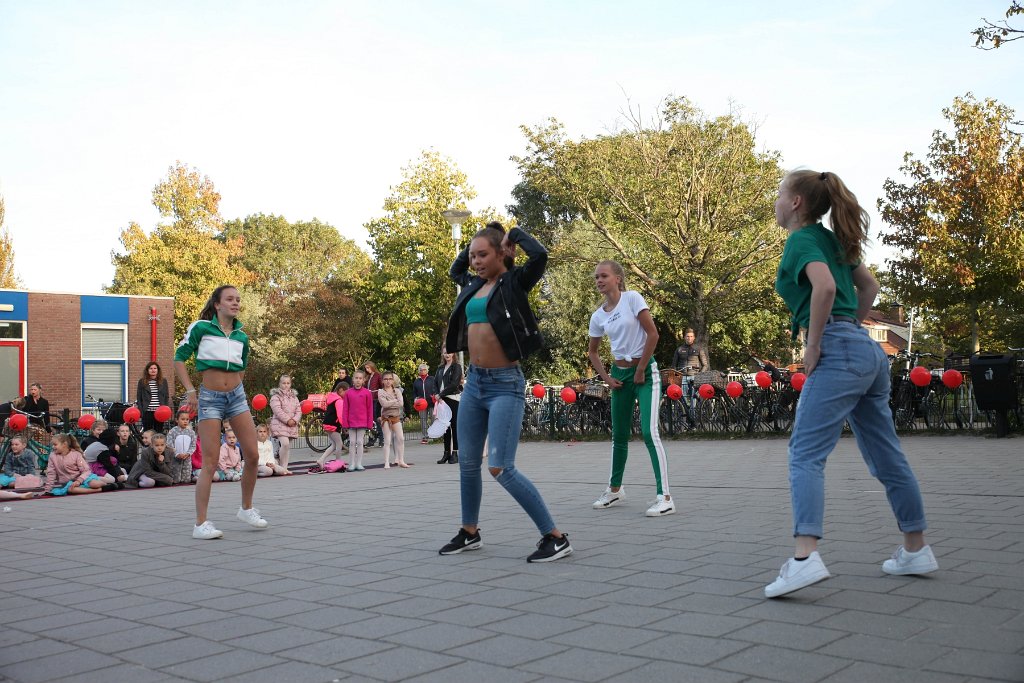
991	35
959	222
182	258
408	296
685	204
8	278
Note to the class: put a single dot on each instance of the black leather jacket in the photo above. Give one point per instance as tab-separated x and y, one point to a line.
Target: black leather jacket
508	309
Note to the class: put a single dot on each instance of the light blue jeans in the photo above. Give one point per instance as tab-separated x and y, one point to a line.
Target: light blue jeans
492	409
850	382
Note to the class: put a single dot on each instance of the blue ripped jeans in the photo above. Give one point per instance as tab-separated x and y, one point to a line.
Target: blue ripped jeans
492	409
850	382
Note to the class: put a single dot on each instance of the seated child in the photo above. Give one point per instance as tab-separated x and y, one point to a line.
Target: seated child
125	449
230	464
21	461
268	464
182	439
98	427
67	471
102	460
146	436
152	468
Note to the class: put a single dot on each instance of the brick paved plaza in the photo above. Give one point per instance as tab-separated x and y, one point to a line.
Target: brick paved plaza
347	585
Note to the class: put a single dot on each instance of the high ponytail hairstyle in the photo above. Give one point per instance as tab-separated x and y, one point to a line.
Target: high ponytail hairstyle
826	191
494	233
209	311
616	268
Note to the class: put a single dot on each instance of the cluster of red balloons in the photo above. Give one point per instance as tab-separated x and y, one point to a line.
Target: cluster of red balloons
921	376
259	402
674	391
419	404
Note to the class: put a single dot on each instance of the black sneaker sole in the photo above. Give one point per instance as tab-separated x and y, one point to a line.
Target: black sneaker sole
456	551
564	552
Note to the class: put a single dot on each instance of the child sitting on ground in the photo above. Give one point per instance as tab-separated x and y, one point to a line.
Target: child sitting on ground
98	427
230	464
182	440
21	461
102	460
67	471
268	463
152	468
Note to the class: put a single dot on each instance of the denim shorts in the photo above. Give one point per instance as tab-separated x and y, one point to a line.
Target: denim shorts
222	405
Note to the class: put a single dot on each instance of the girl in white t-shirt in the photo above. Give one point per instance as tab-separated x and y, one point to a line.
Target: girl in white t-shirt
634	378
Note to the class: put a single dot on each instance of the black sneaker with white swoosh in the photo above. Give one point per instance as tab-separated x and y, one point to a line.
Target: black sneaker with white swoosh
550	549
462	541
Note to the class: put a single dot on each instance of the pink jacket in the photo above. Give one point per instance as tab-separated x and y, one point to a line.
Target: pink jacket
230	457
358	409
285	407
64	468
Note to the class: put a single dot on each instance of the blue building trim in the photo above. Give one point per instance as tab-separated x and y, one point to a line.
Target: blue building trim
105	309
19	300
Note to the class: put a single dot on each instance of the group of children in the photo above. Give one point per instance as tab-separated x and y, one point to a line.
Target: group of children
108	459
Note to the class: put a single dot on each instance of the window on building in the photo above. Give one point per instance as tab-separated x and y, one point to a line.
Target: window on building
104	363
880	334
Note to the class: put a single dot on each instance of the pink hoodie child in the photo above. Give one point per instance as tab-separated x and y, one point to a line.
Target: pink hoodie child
357	410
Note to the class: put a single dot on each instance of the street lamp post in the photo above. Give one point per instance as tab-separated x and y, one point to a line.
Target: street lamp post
455	218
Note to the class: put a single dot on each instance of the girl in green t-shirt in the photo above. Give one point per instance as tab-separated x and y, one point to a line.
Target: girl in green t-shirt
829	290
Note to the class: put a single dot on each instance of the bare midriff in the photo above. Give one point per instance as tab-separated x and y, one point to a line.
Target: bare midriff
485	350
221	380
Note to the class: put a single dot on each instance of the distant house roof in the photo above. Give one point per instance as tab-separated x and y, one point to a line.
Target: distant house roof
888	329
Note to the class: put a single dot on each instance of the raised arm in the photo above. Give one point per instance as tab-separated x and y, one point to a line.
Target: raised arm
532	271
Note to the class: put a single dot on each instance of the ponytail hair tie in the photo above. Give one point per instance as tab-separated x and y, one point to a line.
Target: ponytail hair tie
823	175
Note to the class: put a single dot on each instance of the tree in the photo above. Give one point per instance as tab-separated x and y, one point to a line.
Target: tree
183	258
8	278
685	204
408	297
958	222
992	35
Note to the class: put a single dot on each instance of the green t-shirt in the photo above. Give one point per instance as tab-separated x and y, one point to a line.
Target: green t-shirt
809	244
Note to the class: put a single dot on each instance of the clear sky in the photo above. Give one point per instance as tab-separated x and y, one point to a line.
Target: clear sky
310	109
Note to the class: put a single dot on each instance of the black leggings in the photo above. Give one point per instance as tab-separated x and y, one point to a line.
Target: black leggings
451	437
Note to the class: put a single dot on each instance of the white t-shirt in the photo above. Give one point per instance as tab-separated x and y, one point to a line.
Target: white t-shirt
622	326
266	452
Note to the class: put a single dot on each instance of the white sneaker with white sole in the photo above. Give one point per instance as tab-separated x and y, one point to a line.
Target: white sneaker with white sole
610	498
795	575
661	507
252	518
206	531
904	562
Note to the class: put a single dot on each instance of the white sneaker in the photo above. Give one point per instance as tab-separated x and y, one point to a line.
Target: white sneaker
661	508
252	518
206	531
904	562
610	498
796	575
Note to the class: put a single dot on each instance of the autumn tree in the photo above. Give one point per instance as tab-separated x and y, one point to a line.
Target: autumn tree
958	222
991	35
8	278
684	202
409	296
182	258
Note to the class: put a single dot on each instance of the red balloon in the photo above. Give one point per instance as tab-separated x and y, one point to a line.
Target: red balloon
706	391
86	421
419	404
306	407
763	379
18	422
537	391
132	415
797	380
163	413
921	376
734	389
569	395
259	402
674	391
952	378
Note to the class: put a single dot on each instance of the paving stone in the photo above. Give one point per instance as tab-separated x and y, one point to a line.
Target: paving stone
473	615
793	636
438	637
398	664
121	673
378	627
278	640
159	655
676	673
689	649
474	671
286	672
985	665
859	672
781	664
584	665
507	651
224	665
51	666
535	626
140	636
700	624
336	649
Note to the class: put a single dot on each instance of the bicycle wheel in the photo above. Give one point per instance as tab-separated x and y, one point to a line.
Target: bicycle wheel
903	406
783	409
963	407
931	406
712	415
316	438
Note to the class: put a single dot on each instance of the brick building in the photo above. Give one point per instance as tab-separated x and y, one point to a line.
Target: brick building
79	345
890	329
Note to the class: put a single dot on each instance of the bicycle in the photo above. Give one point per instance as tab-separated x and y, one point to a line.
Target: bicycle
905	398
774	409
